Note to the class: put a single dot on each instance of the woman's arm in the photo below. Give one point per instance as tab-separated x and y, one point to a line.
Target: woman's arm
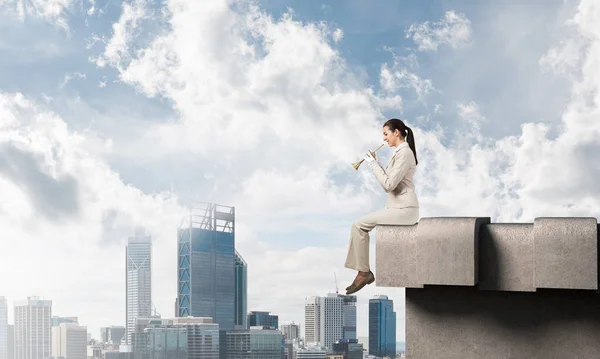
389	180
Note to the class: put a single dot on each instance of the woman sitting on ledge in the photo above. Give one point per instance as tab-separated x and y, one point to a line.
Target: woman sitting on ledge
402	207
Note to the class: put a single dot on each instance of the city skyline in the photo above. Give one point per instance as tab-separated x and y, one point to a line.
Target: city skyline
121	115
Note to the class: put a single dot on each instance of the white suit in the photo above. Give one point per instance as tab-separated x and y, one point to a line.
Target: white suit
402	205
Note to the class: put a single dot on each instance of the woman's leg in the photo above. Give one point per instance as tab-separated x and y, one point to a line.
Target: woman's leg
358	251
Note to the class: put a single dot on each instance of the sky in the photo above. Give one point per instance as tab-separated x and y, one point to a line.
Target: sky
117	115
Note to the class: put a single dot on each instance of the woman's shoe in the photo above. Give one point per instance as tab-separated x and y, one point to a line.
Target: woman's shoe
358	286
369	282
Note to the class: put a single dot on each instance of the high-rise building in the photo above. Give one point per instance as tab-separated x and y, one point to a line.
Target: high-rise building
291	331
263	319
382	327
3	328
33	336
138	285
11	342
69	340
241	291
112	335
312	320
349	316
206	265
330	318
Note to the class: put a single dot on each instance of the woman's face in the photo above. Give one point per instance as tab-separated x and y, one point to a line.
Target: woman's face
392	138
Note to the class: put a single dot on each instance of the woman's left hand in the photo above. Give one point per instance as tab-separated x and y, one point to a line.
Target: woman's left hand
370	157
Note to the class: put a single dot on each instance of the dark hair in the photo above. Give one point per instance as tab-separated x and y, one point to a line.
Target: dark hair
405	131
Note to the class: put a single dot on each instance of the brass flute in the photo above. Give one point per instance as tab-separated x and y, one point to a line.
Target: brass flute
357	164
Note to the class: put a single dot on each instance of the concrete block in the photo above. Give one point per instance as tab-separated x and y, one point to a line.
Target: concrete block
566	253
506	257
464	322
448	248
396	256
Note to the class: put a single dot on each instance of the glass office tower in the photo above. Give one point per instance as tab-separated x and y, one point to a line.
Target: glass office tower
382	327
206	265
241	290
138	280
263	319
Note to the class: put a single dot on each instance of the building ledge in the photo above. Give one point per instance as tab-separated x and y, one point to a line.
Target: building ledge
550	253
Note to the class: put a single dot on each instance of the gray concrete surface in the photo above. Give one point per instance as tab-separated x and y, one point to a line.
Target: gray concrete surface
495	290
566	253
447	251
396	251
466	323
506	259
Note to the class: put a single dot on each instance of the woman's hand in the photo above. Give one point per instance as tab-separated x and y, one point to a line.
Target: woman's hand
370	157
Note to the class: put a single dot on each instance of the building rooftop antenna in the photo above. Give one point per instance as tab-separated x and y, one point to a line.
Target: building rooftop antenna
336	285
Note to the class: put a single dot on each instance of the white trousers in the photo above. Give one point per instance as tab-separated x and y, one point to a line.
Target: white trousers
358	251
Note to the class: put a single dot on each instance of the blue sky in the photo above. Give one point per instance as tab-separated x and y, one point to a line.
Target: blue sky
134	112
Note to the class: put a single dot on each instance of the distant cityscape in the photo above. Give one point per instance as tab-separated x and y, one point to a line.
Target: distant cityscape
210	315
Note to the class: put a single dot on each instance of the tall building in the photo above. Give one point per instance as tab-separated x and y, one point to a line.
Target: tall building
349	316
138	286
291	331
312	320
69	340
206	265
112	335
330	318
33	337
382	327
3	328
241	291
263	319
11	342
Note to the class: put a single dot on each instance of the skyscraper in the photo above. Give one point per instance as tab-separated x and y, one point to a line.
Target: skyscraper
241	290
330	318
11	342
206	265
69	340
138	286
382	327
349	316
3	328
32	328
312	320
291	331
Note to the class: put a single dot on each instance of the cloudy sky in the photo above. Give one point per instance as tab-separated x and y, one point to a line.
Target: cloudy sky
120	114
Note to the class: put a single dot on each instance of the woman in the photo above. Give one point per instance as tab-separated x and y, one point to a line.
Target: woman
402	206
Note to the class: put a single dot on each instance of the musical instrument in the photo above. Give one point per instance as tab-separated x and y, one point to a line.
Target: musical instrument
357	164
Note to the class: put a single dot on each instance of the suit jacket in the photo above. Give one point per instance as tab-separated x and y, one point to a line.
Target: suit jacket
397	178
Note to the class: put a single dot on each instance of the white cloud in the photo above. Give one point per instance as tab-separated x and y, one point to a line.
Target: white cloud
401	75
69	76
454	30
52	11
338	34
124	30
